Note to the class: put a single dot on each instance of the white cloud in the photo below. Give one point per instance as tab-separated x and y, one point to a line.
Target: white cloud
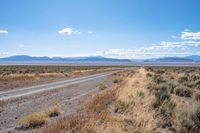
68	31
3	32
4	54
162	49
190	35
89	32
189	45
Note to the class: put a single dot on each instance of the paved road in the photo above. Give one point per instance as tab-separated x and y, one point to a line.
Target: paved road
5	95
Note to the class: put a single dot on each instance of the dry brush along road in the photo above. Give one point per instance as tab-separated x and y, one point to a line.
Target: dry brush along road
70	94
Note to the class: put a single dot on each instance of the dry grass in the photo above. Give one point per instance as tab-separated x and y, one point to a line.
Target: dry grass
55	110
85	122
180	112
38	119
128	107
33	120
188	119
102	86
196	96
124	109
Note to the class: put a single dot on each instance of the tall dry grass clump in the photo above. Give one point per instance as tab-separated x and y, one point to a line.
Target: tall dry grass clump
38	119
33	120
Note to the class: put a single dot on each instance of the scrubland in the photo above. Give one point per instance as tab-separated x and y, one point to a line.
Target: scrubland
144	100
147	100
18	76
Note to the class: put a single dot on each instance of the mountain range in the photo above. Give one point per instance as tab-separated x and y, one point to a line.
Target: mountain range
192	58
26	58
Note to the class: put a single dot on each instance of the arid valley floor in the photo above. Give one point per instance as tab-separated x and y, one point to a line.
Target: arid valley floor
99	99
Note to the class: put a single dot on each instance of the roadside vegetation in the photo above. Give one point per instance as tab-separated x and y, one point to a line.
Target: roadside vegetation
176	92
7	70
18	76
38	119
152	99
102	86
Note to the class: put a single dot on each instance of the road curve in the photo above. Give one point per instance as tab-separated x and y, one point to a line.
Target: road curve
11	94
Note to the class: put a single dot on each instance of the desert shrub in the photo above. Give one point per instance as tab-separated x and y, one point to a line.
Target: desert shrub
160	71
141	94
102	86
117	80
195	77
33	120
183	78
190	84
188	119
197	82
161	94
162	87
149	75
121	106
196	96
167	108
55	110
183	91
158	79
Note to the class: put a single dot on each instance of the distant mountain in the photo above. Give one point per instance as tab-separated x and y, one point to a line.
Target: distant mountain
192	58
25	58
174	59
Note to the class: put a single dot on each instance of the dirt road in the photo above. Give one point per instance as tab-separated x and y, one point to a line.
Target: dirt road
70	94
5	95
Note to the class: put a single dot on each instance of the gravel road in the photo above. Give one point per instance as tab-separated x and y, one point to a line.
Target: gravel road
70	94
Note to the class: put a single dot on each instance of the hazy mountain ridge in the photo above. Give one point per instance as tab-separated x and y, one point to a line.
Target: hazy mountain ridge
192	58
26	58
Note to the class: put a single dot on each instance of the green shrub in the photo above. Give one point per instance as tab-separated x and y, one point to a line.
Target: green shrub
158	79
188	119
102	86
121	106
183	78
141	94
161	94
167	109
149	75
196	96
183	91
197	82
117	80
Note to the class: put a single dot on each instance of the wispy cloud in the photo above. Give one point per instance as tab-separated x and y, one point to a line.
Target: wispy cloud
164	48
68	31
3	31
190	35
3	54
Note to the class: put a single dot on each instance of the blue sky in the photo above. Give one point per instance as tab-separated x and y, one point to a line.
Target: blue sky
111	28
